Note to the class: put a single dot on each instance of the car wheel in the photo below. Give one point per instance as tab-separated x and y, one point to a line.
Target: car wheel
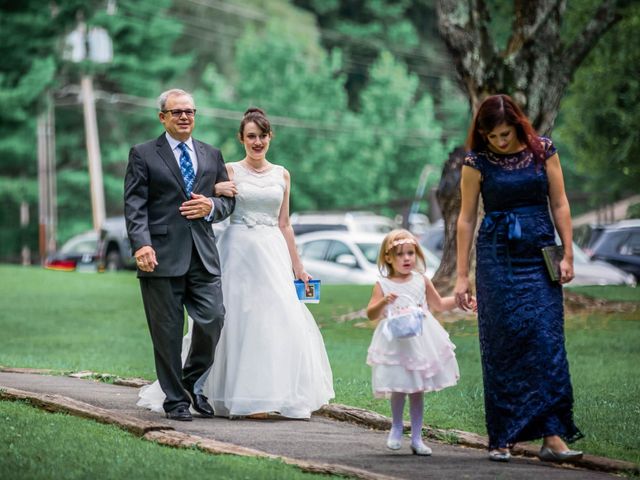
113	262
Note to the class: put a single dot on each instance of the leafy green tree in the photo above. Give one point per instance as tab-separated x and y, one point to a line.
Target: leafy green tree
143	65
601	114
30	51
142	37
338	158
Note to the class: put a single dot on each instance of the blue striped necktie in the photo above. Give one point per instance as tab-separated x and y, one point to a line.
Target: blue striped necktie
186	167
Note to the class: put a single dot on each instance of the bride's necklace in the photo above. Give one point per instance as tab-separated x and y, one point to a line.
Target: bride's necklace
263	169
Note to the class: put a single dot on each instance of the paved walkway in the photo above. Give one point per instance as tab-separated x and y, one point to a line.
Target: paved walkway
318	440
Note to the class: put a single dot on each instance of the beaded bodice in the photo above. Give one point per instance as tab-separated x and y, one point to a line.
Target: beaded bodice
259	195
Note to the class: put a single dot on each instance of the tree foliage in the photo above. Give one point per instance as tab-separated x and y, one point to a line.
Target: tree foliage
601	114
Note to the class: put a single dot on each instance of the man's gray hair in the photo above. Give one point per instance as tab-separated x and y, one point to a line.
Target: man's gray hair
162	99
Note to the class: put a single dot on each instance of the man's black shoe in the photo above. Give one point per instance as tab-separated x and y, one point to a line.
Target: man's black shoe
201	405
180	413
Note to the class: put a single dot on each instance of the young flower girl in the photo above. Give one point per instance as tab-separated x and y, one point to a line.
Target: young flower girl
410	352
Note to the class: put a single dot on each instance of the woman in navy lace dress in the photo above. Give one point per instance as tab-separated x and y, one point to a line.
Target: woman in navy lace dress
527	388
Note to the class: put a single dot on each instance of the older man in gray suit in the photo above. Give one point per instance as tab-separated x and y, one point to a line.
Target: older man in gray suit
169	206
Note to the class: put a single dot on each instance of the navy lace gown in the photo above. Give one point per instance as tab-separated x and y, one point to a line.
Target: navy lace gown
527	388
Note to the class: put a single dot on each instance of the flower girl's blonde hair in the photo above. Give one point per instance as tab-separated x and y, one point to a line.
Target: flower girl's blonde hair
389	248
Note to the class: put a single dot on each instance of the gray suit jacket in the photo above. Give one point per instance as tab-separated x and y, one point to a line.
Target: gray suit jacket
153	192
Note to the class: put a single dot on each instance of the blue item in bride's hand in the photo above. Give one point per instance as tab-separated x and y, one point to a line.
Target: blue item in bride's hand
312	292
404	319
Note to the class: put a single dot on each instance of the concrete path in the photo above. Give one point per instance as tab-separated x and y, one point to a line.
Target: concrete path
318	440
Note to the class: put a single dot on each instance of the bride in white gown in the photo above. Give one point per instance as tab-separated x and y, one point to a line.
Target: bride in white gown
271	356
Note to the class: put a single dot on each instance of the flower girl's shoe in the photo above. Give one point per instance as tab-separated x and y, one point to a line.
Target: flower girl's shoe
394	443
421	449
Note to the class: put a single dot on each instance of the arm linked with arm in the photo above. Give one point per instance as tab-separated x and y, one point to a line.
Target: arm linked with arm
222	205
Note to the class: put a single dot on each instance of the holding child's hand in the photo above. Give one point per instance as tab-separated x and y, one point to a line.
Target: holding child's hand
473	303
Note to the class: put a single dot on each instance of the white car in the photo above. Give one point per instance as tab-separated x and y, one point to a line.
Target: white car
362	222
340	257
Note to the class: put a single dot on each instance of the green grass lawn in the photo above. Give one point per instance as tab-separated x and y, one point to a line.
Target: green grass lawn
35	444
72	321
616	294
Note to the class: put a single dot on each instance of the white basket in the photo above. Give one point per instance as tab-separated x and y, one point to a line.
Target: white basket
404	319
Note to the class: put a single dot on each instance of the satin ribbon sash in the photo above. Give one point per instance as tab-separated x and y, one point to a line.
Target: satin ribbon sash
509	218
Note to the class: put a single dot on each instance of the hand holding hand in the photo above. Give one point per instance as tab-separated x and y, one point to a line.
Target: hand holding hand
146	258
198	207
462	293
474	304
227	189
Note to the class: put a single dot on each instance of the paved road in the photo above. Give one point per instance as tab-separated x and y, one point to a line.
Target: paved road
319	439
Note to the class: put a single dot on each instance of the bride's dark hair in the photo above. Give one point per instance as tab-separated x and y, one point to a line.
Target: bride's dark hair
257	116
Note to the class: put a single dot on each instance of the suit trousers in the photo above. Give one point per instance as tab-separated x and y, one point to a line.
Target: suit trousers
165	300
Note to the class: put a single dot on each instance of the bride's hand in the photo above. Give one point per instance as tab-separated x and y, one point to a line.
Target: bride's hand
300	274
227	189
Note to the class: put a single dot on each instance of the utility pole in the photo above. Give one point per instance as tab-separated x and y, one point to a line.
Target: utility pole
94	45
48	211
93	151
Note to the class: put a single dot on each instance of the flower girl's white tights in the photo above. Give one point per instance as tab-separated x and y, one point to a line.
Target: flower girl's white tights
416	411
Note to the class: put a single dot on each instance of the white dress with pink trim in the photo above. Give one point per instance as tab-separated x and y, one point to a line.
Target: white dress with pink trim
425	363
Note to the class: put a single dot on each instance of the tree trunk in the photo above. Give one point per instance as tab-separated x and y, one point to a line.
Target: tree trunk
535	69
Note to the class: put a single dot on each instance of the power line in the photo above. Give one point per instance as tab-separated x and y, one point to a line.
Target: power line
314	127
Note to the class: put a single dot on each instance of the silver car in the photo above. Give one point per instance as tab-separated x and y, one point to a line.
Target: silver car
587	271
597	272
340	257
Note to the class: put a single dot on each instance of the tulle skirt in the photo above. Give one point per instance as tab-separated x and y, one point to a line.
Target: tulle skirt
423	363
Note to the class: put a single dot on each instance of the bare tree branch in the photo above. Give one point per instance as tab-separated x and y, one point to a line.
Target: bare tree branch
525	11
530	31
466	35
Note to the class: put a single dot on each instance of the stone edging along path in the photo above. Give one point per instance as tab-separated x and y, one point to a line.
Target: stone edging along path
165	434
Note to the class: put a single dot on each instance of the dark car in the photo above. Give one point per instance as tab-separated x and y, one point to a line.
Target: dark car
617	244
114	247
79	253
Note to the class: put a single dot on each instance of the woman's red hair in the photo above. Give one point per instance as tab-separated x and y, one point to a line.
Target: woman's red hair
496	110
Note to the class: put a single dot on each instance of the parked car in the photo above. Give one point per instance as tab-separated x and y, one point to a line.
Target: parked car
114	249
617	244
587	272
340	257
362	222
433	237
79	253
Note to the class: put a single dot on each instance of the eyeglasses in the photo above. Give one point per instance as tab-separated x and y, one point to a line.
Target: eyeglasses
177	113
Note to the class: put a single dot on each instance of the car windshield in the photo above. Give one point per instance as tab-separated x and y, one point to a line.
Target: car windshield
374	227
370	251
80	245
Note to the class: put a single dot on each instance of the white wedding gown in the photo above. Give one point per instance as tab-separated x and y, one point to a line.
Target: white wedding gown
271	356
